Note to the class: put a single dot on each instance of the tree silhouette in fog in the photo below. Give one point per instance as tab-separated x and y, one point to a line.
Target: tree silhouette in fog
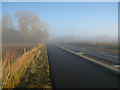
28	28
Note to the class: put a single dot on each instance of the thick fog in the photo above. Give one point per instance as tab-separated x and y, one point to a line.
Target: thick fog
72	38
68	22
25	28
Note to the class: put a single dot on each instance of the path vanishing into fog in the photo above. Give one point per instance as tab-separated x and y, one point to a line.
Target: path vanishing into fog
71	71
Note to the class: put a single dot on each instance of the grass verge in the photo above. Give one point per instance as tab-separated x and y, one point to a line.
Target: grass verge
30	70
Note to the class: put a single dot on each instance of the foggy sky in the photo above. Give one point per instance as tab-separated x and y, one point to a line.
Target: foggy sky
80	20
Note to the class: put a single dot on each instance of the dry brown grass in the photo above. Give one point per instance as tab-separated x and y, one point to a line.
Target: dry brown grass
37	74
10	53
15	64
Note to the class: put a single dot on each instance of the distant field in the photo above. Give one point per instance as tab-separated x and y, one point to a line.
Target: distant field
17	47
99	45
20	61
106	52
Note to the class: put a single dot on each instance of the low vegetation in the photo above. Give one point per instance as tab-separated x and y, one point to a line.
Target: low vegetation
24	64
113	46
26	67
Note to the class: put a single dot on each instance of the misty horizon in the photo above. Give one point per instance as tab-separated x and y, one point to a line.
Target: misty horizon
59	44
83	21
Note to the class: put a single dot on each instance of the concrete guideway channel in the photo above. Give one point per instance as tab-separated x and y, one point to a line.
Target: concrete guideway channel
110	67
69	70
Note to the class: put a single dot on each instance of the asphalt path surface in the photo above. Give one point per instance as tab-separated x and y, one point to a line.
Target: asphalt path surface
71	71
